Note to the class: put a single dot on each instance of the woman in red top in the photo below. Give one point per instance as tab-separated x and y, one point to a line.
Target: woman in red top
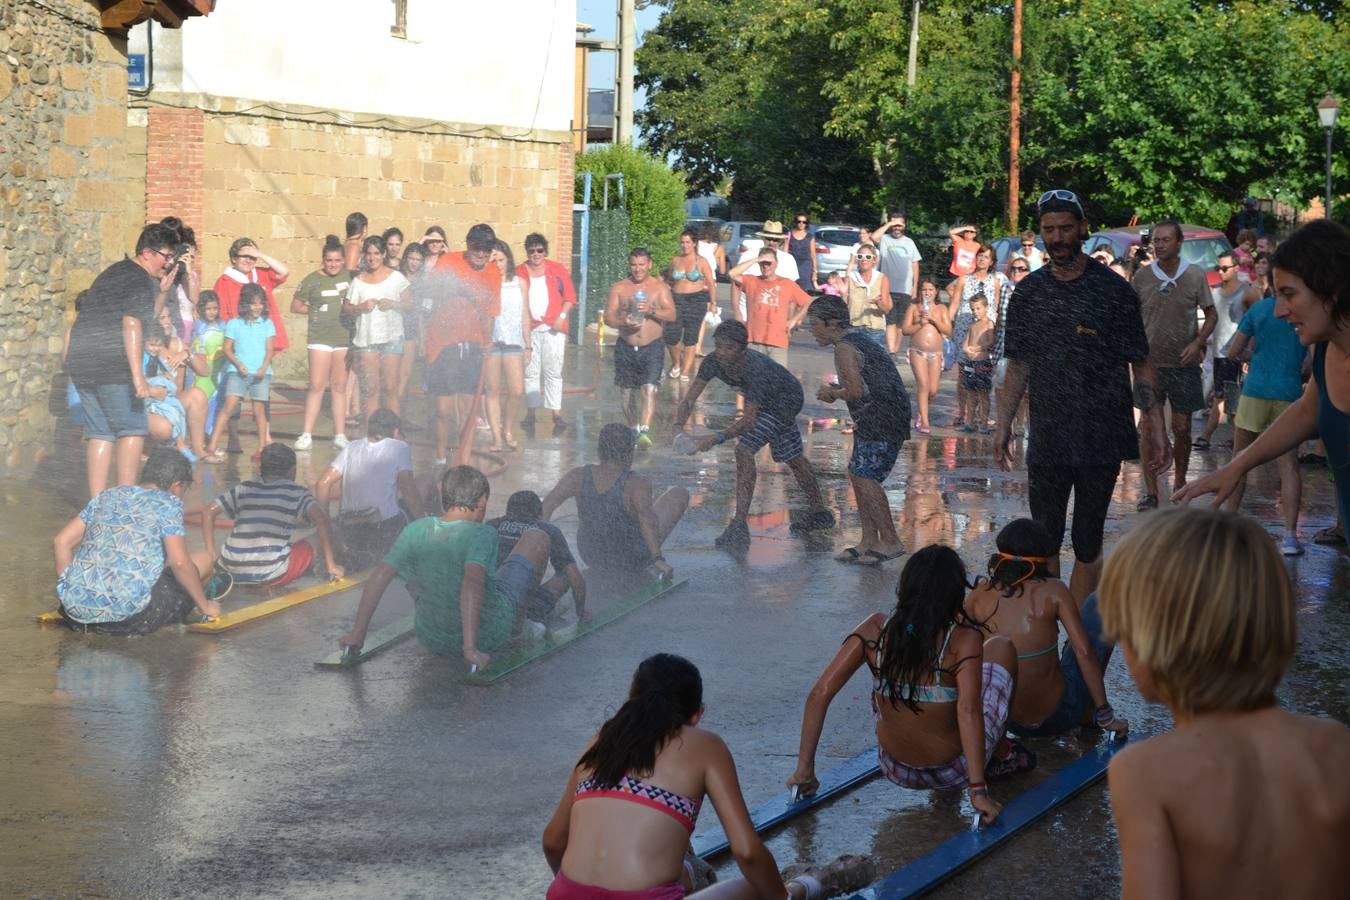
550	297
244	259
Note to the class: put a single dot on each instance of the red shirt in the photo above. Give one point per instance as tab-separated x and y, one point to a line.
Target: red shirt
467	299
767	302
228	290
963	255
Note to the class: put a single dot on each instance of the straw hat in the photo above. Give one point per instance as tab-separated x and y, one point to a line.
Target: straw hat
772	231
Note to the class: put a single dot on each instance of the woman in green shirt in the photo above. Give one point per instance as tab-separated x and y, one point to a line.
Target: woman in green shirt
320	296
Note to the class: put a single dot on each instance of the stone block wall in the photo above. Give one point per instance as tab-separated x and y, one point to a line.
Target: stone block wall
288	182
65	179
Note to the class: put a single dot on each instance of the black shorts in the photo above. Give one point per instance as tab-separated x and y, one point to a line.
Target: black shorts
637	366
455	370
1225	370
1048	488
689	311
900	304
366	541
978	376
169	604
1183	388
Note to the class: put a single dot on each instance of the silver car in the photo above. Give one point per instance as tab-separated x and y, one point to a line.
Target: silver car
834	247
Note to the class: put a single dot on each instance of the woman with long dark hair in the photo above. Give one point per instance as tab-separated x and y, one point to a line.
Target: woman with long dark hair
1312	293
940	692
622	827
1024	601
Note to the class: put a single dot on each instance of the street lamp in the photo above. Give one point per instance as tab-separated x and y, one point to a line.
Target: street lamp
1327	111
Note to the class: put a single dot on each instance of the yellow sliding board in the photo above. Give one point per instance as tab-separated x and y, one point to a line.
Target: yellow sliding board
237	617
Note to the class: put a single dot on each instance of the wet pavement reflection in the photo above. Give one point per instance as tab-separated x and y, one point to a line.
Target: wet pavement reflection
203	765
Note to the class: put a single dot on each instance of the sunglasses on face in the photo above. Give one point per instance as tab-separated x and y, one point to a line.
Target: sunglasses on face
1020	269
533	250
1224	268
866	256
803	222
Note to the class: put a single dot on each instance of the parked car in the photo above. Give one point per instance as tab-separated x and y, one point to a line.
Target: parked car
1005	247
698	223
834	247
1202	245
734	236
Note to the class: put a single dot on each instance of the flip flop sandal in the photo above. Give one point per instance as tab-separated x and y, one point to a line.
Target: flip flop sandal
876	557
1200	443
1019	758
1331	536
850	555
1149	502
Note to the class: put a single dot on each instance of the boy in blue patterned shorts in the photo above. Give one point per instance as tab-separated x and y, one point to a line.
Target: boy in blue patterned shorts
773	397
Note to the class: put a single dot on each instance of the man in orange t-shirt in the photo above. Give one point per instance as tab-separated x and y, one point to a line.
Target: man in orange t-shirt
467	290
773	305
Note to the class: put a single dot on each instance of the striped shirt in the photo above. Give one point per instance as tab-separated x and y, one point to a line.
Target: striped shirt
258	548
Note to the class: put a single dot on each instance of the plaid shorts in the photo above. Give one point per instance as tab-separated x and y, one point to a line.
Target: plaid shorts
996	698
783	438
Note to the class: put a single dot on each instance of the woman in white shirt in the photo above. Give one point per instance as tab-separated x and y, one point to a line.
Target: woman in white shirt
378	298
504	377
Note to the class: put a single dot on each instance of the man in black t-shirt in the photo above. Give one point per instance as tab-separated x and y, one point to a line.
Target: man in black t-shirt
773	397
103	355
1073	337
524	511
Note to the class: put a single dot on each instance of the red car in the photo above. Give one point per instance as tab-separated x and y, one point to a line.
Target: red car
1202	246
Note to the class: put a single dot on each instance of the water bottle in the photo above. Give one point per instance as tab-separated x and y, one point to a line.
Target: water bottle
635	314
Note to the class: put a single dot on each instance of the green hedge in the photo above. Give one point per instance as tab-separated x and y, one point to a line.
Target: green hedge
654	196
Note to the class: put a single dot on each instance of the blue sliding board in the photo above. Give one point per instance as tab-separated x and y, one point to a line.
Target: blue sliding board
935	867
778	810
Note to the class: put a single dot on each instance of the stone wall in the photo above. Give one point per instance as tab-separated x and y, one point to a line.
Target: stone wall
289	178
64	184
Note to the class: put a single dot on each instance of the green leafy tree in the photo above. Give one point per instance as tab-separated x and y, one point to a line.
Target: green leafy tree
653	195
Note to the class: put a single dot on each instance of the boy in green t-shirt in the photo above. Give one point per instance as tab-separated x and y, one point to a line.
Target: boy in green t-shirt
464	600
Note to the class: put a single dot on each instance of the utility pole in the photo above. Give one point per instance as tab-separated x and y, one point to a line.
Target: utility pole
913	45
1015	125
623	106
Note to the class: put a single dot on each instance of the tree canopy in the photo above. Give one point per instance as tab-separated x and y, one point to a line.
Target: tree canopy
1173	107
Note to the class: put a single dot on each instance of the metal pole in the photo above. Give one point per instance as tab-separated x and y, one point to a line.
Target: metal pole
627	45
1015	125
584	274
1328	207
913	44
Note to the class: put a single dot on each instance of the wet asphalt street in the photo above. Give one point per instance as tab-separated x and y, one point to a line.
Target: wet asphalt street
198	765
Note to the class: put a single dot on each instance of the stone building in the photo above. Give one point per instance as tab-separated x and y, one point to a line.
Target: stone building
267	119
275	120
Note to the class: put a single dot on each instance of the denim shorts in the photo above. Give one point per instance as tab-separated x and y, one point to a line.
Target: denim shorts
111	411
252	388
513	581
392	348
873	460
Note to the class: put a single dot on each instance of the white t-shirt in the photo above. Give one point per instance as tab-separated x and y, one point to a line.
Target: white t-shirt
539	300
379	326
369	472
509	326
897	259
708	250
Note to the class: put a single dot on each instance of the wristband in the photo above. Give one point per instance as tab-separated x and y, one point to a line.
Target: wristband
977	786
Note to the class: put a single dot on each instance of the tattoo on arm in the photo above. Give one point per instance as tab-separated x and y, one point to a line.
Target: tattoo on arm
1147	395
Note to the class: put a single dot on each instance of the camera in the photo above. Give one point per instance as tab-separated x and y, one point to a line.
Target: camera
1145	239
183	251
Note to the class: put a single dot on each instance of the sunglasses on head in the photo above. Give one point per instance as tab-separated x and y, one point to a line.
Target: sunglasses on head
1061	194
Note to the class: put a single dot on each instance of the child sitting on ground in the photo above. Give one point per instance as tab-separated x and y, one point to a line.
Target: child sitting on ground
258	549
977	366
1243	799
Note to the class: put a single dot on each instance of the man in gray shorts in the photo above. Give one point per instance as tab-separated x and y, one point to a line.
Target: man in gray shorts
1170	290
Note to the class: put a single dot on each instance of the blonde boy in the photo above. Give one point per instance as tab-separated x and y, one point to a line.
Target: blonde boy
1242	799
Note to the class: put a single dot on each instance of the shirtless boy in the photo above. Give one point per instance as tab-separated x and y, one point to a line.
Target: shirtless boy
639	308
1243	799
977	366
